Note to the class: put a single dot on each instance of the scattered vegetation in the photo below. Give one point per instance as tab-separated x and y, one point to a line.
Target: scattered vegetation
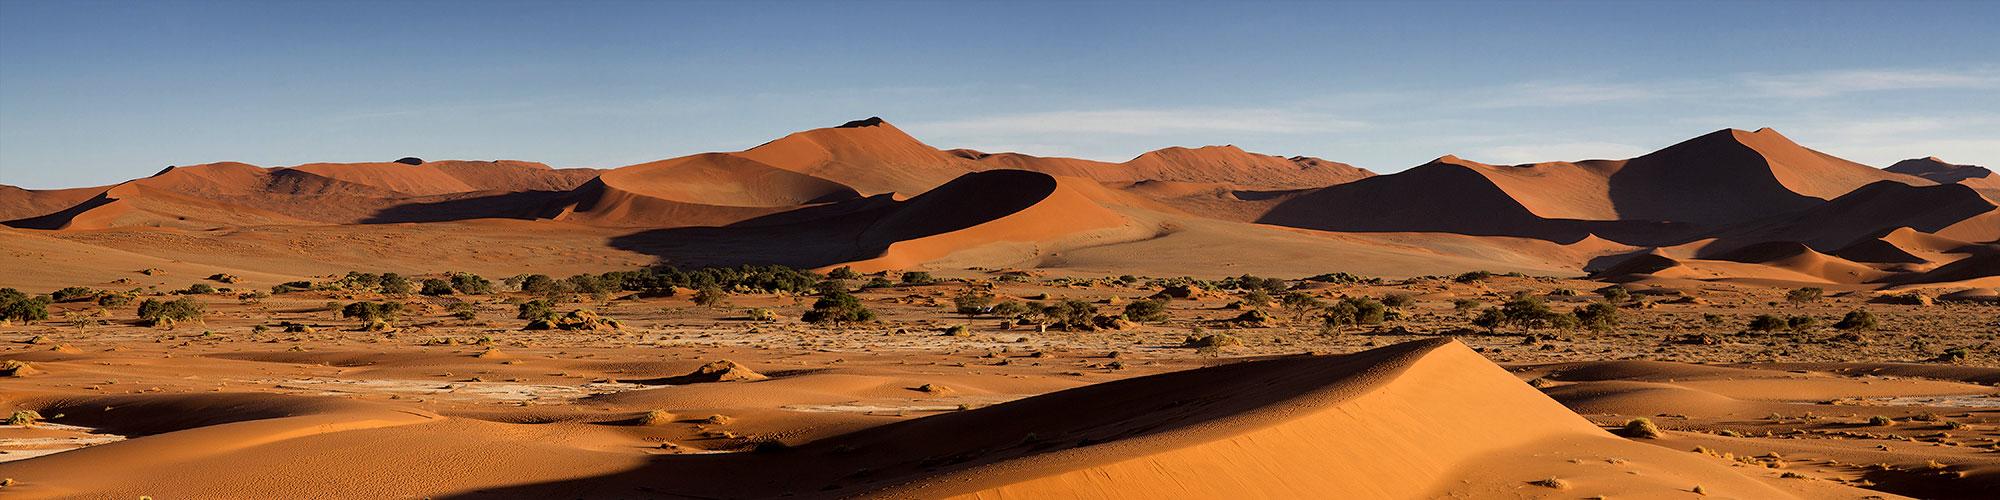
370	312
1147	311
17	306
1857	320
1805	295
157	313
838	306
1643	428
972	303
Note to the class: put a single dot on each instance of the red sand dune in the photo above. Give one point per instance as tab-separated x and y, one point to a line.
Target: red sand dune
1942	172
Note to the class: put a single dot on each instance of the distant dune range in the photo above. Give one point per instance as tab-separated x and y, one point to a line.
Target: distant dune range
1728	205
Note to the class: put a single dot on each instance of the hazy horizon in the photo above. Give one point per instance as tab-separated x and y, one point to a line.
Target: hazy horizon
96	93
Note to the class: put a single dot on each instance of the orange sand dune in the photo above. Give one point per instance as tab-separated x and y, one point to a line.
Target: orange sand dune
710	189
1016	208
17	203
1226	165
1799	258
869	155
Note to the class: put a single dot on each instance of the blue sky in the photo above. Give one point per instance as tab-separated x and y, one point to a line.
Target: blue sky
94	93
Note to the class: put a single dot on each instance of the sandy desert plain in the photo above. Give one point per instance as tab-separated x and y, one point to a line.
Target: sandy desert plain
1733	316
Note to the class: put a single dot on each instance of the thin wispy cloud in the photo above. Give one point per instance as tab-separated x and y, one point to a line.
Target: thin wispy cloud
1835	83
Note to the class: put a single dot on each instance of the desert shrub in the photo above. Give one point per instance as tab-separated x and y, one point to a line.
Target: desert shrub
396	284
360	281
595	285
1527	312
1801	323
535	309
1615	293
18	306
1564	321
372	311
1881	421
1953	355
1858	319
114	300
1257	298
1398	300
843	273
465	311
1491	319
540	284
971	303
197	289
1355	311
1211	341
878	282
1301	304
24	418
1070	314
436	287
469	284
580	319
1562	292
1342	279
918	278
1599	316
73	294
760	314
1473	276
1253	283
710	296
1147	311
1642	428
1464	305
837	306
291	286
1804	295
1009	309
1767	323
154	312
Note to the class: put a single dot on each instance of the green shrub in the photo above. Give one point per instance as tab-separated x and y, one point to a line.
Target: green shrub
1642	428
372	311
1615	293
396	284
73	294
878	282
1398	300
843	273
1804	295
836	306
918	278
154	312
1801	323
1599	316
1147	311
971	303
710	296
1009	309
198	289
468	283
1767	323
1858	319
1473	276
540	284
436	287
1356	311
536	309
17	306
465	311
114	300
